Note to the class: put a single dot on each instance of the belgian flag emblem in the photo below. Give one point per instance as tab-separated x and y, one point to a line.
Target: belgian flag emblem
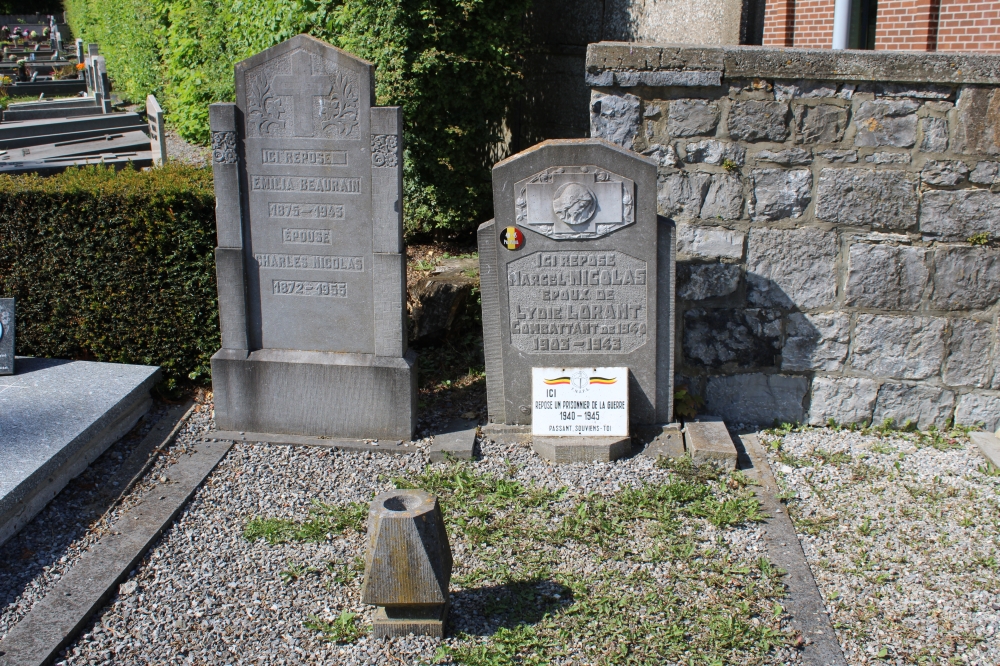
512	238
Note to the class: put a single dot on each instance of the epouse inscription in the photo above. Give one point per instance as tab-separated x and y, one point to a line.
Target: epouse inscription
573	301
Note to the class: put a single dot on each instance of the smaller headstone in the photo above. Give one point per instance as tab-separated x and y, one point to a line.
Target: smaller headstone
102	86
79	51
6	336
408	565
457	441
157	141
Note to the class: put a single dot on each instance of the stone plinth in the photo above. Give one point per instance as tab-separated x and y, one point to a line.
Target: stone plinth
581	449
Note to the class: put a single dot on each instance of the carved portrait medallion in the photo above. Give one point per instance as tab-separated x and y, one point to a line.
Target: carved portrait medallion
574	202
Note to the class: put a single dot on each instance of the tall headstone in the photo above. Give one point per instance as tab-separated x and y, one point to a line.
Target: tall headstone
6	336
577	271
102	85
157	141
311	264
79	51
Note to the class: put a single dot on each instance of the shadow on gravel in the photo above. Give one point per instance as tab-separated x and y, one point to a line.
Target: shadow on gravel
481	611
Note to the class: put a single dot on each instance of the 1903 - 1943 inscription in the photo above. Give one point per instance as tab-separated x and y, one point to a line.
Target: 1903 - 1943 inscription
577	301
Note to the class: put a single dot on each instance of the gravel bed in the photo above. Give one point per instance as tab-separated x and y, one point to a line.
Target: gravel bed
188	153
205	594
902	538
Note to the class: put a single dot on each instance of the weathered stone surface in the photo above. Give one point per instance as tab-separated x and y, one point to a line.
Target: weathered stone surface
680	195
779	193
900	347
692	117
614	118
886	277
985	173
756	120
889	158
435	302
786	157
978	129
968	359
709	242
959	214
883	199
966	278
7	336
846	400
791	267
456	441
816	341
724	199
839	156
975	409
700	281
946	173
665	156
886	123
919	91
712	151
708	441
823	123
916	403
934	133
739	338
786	90
756	398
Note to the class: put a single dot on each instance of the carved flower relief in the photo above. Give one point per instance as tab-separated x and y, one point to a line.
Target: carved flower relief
224	147
338	113
384	150
264	108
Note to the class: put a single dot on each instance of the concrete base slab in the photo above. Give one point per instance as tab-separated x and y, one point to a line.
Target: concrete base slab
507	434
661	441
707	440
419	621
457	441
988	445
582	449
316	394
373	446
56	417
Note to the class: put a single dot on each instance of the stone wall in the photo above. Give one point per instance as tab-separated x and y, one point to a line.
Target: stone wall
838	219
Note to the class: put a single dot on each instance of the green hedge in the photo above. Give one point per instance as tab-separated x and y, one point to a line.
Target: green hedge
453	65
113	267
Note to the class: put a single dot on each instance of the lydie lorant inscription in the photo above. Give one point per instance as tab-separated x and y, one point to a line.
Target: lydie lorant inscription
577	301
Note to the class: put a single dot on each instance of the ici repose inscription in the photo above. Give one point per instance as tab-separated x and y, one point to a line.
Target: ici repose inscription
573	301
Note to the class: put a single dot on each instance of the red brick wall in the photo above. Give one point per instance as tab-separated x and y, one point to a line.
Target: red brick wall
814	24
779	23
969	26
906	25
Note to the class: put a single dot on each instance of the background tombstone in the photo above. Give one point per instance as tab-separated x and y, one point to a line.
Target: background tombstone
157	140
6	336
577	270
311	264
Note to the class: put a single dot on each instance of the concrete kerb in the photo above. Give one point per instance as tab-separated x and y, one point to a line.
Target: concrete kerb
988	446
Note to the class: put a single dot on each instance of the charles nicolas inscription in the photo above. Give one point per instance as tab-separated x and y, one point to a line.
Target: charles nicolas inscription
577	301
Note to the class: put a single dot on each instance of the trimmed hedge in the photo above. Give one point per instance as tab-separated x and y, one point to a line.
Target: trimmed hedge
113	266
453	65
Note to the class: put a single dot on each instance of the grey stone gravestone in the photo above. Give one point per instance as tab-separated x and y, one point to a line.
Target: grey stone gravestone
102	85
6	336
157	141
577	270
311	264
79	51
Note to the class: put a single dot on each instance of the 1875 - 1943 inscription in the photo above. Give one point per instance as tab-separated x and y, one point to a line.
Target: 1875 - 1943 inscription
577	301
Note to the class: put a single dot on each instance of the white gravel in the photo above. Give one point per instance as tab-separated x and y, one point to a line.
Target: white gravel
905	544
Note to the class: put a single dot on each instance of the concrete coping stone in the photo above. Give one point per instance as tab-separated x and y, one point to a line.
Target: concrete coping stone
458	440
627	60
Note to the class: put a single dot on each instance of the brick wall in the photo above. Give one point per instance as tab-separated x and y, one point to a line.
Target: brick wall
825	267
779	23
969	26
906	25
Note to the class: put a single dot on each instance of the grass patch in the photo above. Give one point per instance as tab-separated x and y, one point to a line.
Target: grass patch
345	629
324	520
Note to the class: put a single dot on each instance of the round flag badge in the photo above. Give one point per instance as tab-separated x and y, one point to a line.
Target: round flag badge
512	238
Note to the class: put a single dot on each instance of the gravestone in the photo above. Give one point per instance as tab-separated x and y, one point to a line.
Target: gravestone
157	141
6	336
577	271
310	263
79	51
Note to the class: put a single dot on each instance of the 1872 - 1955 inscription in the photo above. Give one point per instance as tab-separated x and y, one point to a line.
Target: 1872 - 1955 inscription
577	301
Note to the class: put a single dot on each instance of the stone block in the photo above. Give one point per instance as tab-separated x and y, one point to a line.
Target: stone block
946	173
899	347
756	120
661	441
785	157
457	441
786	90
564	450
692	117
7	360
918	403
709	242
965	278
823	123
713	151
846	400
886	277
816	342
838	156
791	267
975	409
700	281
665	156
987	444
408	564
985	173
724	199
707	439
780	193
886	123
977	131
743	338
614	118
680	195
934	135
968	359
959	214
886	157
756	399
882	199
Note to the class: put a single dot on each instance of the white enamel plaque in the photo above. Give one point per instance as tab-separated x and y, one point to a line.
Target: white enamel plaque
579	402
